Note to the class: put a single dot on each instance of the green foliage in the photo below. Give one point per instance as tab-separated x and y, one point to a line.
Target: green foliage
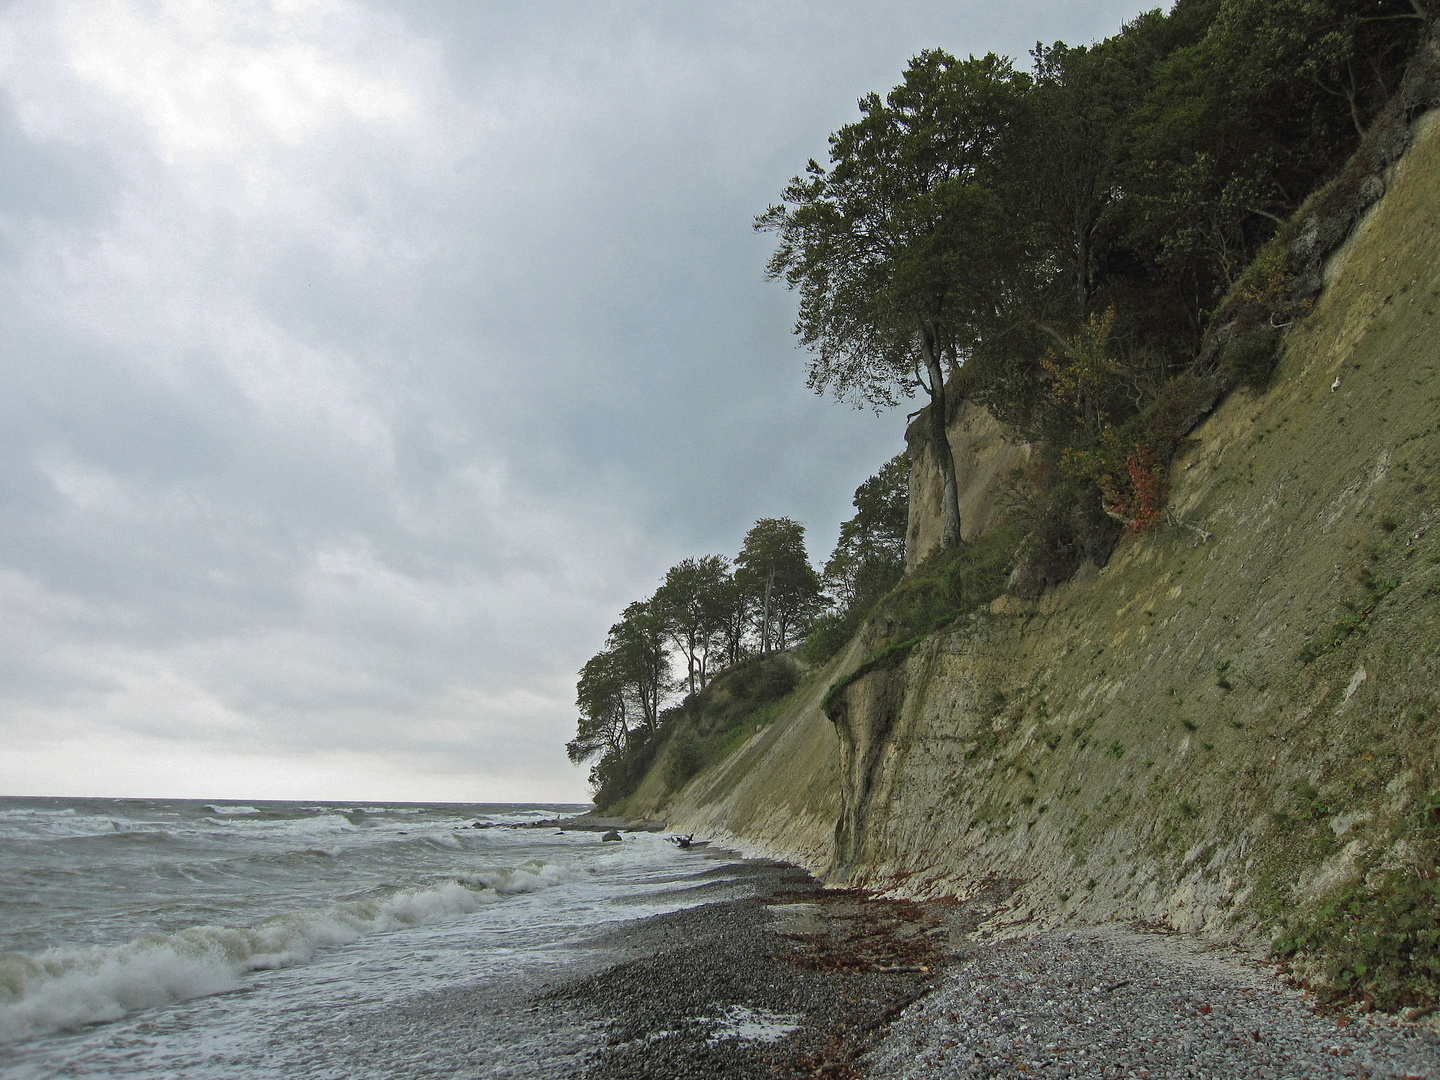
707	725
949	584
1312	807
868	560
952	583
869	555
685	758
1249	356
894	248
1376	943
617	775
1062	523
747	688
829	635
774	570
693	604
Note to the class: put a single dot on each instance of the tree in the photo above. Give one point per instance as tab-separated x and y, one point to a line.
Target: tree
900	250
642	662
604	720
735	619
774	570
692	604
869	556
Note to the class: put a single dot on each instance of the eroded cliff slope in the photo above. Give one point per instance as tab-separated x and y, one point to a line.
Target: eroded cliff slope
1205	733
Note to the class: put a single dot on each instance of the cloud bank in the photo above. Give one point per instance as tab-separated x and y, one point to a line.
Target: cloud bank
363	360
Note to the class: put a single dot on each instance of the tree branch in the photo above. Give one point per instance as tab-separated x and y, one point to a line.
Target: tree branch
1053	334
1266	214
1180	523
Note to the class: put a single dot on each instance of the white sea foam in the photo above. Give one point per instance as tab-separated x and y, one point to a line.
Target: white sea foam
319	825
217	808
68	988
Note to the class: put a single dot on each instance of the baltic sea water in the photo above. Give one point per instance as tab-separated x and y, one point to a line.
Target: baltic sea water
168	938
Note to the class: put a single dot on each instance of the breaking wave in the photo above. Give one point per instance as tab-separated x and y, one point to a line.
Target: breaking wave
69	988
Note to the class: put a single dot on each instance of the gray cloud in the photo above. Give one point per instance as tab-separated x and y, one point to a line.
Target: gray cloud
363	360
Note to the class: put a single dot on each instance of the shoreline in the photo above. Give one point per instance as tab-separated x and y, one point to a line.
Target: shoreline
789	981
794	980
766	975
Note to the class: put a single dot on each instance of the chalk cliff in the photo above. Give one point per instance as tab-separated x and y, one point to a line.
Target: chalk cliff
1221	723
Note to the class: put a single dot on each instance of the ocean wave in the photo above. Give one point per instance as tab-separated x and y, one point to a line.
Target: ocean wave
220	808
68	988
316	825
57	825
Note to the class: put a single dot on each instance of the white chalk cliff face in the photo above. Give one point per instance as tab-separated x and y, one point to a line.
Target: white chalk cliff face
986	453
1209	734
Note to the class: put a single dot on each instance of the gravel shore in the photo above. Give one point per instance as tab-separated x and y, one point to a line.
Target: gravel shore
789	982
801	982
1116	1002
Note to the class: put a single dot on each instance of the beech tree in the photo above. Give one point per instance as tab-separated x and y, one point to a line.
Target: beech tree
774	570
604	725
735	619
691	603
642	662
869	556
899	248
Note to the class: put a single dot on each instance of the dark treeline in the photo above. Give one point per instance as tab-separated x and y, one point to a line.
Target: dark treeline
709	616
1056	243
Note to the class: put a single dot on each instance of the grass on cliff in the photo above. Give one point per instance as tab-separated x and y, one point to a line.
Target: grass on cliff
707	727
949	584
1377	945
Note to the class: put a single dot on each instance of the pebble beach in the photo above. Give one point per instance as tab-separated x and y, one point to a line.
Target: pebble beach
797	981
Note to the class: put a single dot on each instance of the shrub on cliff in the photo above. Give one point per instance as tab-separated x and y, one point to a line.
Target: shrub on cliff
705	725
1377	945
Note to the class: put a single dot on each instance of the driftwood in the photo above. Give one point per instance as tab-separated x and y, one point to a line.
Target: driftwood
686	841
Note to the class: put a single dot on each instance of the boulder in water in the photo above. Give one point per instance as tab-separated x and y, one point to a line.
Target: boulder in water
613	834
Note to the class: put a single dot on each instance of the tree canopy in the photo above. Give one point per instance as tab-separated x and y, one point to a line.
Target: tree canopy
702	616
692	604
774	569
1056	243
899	248
869	556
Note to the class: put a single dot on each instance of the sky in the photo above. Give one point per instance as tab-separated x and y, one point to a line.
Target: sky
362	361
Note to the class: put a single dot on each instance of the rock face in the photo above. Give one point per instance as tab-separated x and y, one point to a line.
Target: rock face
1204	733
986	453
1200	733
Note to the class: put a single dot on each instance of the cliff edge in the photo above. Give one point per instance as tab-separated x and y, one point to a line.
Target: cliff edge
1234	719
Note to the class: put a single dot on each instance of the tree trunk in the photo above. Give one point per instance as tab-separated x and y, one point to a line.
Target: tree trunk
940	446
765	616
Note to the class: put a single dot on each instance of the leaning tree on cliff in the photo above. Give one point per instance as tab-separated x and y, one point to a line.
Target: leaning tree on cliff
900	247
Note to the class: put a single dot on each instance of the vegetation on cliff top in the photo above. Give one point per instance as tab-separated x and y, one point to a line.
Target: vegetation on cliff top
1056	244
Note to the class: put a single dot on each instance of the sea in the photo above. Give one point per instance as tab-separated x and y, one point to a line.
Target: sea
181	938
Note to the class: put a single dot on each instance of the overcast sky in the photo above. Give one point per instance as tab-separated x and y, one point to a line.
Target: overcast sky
363	360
